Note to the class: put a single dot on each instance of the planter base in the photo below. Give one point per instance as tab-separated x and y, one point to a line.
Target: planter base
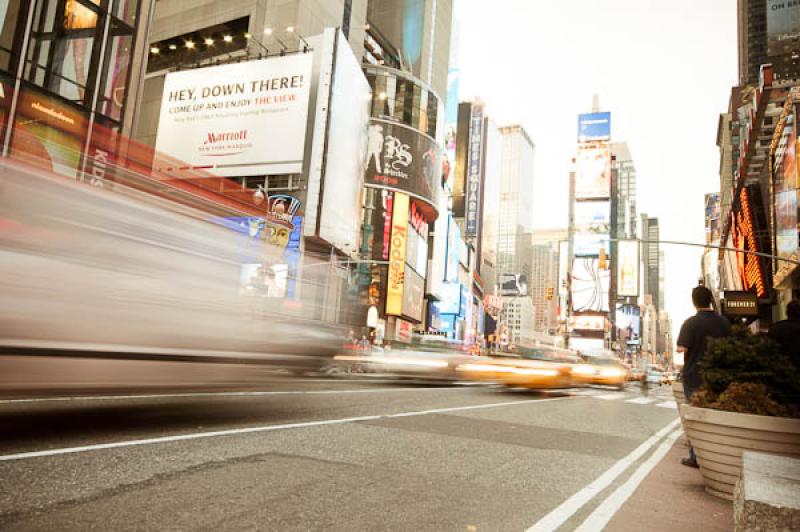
719	438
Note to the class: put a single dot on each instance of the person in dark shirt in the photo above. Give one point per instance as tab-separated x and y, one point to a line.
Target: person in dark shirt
787	332
692	342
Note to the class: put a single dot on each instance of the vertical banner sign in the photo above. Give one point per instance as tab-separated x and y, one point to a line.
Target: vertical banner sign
472	214
397	256
628	268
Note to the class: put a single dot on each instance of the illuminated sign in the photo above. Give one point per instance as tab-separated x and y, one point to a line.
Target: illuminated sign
740	303
594	126
386	202
745	237
472	200
397	256
593	171
628	268
588	323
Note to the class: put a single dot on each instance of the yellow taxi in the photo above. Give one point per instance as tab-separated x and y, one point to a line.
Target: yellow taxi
606	371
524	367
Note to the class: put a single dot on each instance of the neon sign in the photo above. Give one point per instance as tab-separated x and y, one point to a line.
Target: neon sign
745	238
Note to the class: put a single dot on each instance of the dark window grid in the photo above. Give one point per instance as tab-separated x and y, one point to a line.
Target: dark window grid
14	53
59	34
118	29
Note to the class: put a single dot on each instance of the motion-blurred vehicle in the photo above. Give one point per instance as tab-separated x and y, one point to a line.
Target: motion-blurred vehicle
671	377
636	374
654	377
604	371
525	367
429	358
118	289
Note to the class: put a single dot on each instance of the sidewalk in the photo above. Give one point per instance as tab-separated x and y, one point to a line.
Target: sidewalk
672	498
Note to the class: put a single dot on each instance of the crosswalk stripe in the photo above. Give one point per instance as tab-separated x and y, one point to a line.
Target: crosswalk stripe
668	404
609	396
640	400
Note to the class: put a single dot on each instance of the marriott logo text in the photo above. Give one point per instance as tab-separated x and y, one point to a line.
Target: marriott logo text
222	137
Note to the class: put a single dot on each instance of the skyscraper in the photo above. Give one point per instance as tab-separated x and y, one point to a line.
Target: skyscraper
516	199
769	32
625	174
543	284
752	22
651	259
418	34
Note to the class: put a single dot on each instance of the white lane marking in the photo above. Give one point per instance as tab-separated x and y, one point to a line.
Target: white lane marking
600	517
640	400
216	394
610	396
668	404
569	507
247	430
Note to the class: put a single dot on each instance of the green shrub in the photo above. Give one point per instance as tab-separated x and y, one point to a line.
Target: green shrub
744	358
745	398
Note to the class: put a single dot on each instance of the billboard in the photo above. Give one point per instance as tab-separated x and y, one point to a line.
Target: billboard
378	208
593	171
588	323
628	323
472	201
402	158
785	179
48	132
592	217
238	119
453	250
590	244
712	217
783	27
413	292
513	284
627	268
450	302
591	346
594	126
346	145
397	256
590	286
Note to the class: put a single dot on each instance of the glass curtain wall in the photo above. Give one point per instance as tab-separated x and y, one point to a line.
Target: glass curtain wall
75	74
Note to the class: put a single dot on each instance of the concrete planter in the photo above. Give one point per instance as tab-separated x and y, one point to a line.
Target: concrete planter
677	392
719	438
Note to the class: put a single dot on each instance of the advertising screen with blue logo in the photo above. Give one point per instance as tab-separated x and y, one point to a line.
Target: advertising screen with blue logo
450	301
594	126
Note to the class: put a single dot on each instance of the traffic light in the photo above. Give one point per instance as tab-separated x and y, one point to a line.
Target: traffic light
550	291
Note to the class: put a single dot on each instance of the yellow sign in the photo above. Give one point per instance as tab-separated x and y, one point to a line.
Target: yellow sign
397	255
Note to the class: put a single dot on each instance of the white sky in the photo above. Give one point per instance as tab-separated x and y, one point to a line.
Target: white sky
663	68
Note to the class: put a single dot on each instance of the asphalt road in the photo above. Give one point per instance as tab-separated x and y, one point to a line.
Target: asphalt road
324	455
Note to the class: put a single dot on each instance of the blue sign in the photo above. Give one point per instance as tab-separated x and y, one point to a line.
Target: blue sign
462	311
447	324
450	302
452	253
594	126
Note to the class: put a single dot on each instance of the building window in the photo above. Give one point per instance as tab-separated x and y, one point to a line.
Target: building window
348	8
12	15
61	54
